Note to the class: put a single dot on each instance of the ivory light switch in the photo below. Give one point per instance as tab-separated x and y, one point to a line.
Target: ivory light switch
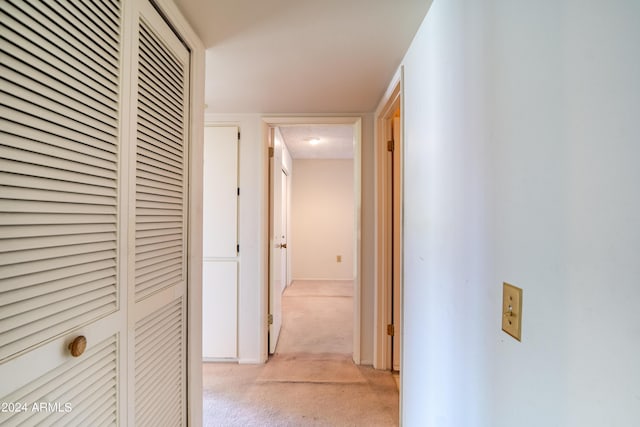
512	310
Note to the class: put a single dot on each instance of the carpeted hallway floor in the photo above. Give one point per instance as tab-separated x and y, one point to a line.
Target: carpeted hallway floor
311	380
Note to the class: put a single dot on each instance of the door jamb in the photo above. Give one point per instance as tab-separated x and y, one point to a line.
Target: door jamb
356	122
392	100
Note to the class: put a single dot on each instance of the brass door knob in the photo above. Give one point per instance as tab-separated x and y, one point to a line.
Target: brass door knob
77	346
283	246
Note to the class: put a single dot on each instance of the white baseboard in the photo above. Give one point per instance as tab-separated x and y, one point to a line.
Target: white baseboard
219	359
250	362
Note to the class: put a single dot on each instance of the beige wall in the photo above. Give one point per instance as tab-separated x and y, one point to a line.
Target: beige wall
322	219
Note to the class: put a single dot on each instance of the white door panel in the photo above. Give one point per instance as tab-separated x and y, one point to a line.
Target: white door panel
275	244
284	246
220	199
220	309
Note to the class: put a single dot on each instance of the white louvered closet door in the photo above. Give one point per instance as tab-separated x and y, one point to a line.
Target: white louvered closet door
60	96
159	237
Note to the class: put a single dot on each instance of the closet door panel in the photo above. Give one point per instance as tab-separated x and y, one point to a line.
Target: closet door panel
159	229
59	161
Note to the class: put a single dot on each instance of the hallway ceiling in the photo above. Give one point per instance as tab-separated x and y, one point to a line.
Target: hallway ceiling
301	56
336	141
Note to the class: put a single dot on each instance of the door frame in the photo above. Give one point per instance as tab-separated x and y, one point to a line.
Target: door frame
391	101
356	122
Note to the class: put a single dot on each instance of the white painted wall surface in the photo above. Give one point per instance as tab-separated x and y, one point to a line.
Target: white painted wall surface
522	153
322	219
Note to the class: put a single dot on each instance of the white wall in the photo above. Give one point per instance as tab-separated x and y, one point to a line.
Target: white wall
322	219
522	165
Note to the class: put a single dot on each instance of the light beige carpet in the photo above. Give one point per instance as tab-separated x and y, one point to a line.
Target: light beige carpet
311	380
311	368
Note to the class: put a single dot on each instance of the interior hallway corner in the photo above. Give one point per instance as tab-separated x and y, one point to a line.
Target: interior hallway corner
311	380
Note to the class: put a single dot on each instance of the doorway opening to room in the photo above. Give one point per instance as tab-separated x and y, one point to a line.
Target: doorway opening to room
312	299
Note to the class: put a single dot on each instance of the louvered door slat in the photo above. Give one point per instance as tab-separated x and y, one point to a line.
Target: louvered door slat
160	135
51	108
62	295
52	265
161	362
59	136
96	277
33	87
68	77
21	206
160	231
80	18
29	104
150	83
158	189
161	66
144	227
151	251
30	218
97	36
86	77
41	322
88	396
152	180
96	14
24	128
16	231
169	62
89	241
57	97
79	35
155	397
15	193
55	185
30	158
152	151
30	312
58	40
55	175
23	75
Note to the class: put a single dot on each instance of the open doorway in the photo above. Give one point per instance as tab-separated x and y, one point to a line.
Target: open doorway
313	252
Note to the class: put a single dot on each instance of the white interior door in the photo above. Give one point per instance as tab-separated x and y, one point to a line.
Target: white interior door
275	244
283	228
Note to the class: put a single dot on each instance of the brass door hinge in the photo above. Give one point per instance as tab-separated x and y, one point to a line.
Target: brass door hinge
391	330
270	151
390	145
270	319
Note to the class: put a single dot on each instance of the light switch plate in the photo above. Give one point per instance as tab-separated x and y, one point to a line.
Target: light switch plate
512	310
